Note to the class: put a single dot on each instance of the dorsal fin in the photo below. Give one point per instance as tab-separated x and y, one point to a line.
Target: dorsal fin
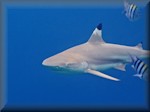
140	45
96	35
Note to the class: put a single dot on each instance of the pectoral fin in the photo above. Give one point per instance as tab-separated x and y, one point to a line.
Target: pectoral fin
94	72
121	67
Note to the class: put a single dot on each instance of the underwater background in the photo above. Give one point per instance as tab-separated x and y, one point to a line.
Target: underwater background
34	33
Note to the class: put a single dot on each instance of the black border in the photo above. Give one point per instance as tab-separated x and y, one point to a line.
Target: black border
148	35
8	109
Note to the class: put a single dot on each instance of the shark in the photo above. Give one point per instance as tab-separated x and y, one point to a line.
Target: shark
95	55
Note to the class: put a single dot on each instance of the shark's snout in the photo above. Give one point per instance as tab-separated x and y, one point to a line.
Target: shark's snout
53	62
45	63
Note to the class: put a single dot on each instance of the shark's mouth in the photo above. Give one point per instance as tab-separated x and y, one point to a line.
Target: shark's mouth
57	68
60	69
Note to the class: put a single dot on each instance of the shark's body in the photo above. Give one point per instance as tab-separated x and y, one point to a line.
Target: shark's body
95	55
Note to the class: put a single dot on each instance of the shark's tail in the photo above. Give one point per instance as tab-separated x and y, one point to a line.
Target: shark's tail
146	54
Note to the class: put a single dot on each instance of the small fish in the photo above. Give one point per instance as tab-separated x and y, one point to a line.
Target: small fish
140	67
131	11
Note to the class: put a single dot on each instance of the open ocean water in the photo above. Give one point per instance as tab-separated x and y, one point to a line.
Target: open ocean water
35	33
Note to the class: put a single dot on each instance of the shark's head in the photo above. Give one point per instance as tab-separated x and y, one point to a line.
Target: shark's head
56	61
63	62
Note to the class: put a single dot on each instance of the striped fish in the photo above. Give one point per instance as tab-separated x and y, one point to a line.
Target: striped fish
131	11
140	67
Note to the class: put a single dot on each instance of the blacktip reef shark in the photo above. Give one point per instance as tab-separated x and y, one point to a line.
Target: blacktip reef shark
95	55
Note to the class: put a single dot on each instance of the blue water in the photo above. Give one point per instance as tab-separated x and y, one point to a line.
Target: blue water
35	33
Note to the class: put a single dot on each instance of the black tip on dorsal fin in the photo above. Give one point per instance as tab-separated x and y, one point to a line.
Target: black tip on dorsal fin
97	35
99	27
